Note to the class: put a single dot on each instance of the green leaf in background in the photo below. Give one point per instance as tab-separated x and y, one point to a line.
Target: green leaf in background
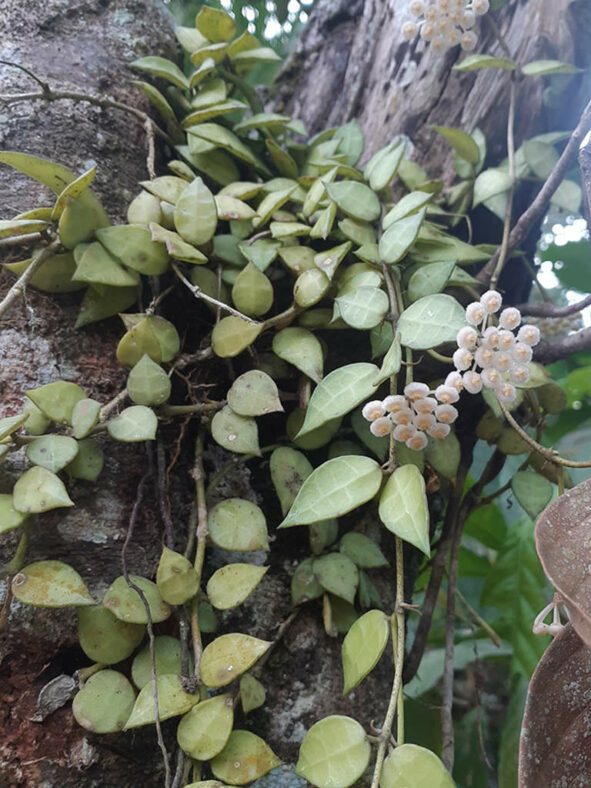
545	68
252	693
127	605
533	492
510	735
104	638
363	646
476	62
403	507
444	455
515	587
409	204
362	550
462	143
337	574
574	260
289	469
167	660
430	322
490	183
10	518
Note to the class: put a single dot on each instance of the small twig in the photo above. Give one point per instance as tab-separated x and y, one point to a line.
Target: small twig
44	85
184	410
551	310
284	627
262	234
504	250
283	319
20	240
107	409
19	287
198	293
186	359
440	357
198	475
151	158
556	349
478	619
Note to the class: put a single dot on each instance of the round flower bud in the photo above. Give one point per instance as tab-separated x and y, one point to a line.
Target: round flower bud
416	391
522	352
394	403
446	414
472	382
410	30
506	340
454	379
467	338
444	24
447	394
506	392
416	7
484	356
453	37
373	410
431	14
417	442
381	427
510	318
519	374
438	44
529	334
443	5
491	377
502	361
468	41
439	431
491	336
462	359
428	31
423	421
404	431
475	313
403	416
426	405
480	7
468	19
455	16
491	301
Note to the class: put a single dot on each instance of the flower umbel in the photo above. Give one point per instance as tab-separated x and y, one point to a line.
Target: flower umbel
444	23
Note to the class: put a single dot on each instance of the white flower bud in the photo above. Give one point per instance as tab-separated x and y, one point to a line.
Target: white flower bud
519	374
446	414
381	427
484	356
522	353
454	379
491	377
453	37
416	391
403	416
439	431
423	421
472	382
506	340
529	334
410	30
426	405
438	44
502	361
468	19
467	338
491	336
468	41
394	403
462	359
455	16
416	7
428	31
373	410
444	24
417	442
506	392
447	394
431	14
475	313
491	301
510	318
404	431
444	5
480	7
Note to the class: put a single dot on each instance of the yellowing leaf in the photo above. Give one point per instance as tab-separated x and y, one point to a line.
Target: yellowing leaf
245	757
335	752
228	656
229	586
232	335
50	584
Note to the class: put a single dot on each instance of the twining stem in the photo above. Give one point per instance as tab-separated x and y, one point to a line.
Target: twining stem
504	250
19	287
185	410
198	293
202	531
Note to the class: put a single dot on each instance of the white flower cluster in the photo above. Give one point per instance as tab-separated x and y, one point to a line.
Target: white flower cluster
444	23
501	355
411	416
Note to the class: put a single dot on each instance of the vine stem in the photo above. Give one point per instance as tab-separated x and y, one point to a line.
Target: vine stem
19	287
198	475
198	293
247	90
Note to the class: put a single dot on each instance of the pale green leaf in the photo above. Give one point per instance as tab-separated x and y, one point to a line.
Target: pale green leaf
238	434
400	236
204	731
476	62
104	703
430	322
335	752
245	757
39	490
364	307
289	469
533	492
228	656
172	701
229	586
462	143
490	183
544	68
403	507
237	524
363	646
50	584
301	348
338	575
429	279
411	766
137	423
355	199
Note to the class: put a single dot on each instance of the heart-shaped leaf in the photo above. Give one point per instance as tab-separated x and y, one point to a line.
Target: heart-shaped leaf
84	417
245	757
167	660
411	766
229	656
403	507
125	602
430	322
235	433
204	730
50	584
134	424
53	452
335	752
176	578
39	490
337	574
254	393
362	550
301	348
232	335
172	701
104	703
229	586
57	400
252	693
236	524
104	638
363	646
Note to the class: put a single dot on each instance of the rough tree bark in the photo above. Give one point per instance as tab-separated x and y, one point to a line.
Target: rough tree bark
349	63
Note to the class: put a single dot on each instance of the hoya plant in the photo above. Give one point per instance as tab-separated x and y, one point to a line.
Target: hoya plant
323	319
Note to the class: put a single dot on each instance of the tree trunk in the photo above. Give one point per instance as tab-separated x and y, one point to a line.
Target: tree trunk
350	63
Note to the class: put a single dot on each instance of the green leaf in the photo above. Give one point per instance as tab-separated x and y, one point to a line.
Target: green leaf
104	638
88	462
362	550
263	120
98	266
430	322
53	452
409	204
167	660
133	246
338	393
229	586
310	287
204	731
304	583
176	578
444	455
148	383
175	246
10	518
333	489
195	214
289	469
544	68
355	199
475	62
363	646
104	703
301	348
238	434
429	279
126	604
490	183
261	253
411	766
337	574
540	156
254	393
252	292
85	415
515	586
462	143
403	507
97	305
245	757
400	236
57	400
11	424
39	490
232	335
50	584
252	693
16	227
351	141
228	656
364	307
386	167
575	259
172	701
533	492
163	68
237	524
335	752
134	424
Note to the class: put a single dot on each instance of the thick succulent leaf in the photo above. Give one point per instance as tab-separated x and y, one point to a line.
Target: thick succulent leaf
176	578
411	766
301	348
362	550
167	660
430	322
39	490
137	423
53	452
204	731
148	383
400	236
238	434
429	279
88	462
50	584
462	143
355	199
252	693
237	524
126	604
403	507
133	246
333	489
104	703
10	518
57	400
304	583
476	62
444	455
338	575
245	757
363	646
163	68
195	214
104	638
232	335
335	752
172	701
229	656
533	492
363	308
229	586
85	415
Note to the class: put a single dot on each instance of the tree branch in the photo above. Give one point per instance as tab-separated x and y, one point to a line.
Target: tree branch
551	310
556	349
19	287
